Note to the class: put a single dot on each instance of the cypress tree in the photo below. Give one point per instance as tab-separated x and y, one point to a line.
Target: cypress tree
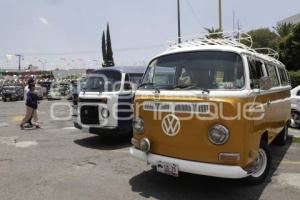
110	59
104	51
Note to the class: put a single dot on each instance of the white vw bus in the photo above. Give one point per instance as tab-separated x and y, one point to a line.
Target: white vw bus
105	102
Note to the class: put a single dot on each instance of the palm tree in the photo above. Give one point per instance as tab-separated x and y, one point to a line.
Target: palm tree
284	29
213	33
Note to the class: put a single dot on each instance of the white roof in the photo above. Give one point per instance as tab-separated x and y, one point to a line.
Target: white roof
229	44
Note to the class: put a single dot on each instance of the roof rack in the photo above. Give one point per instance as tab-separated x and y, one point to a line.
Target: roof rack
237	39
268	51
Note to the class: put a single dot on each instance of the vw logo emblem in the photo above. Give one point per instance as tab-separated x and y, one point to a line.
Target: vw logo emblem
170	125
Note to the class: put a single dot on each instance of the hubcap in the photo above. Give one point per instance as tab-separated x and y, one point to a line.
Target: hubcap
261	163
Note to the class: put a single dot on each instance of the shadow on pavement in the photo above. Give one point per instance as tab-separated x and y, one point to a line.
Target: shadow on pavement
104	143
188	186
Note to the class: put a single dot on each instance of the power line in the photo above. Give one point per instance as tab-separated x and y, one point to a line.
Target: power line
93	51
193	12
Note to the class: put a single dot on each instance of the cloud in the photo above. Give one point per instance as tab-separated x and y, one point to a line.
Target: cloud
43	20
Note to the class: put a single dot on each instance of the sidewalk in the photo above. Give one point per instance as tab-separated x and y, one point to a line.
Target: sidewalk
294	132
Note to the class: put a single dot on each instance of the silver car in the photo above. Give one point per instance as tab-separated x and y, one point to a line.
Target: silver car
295	100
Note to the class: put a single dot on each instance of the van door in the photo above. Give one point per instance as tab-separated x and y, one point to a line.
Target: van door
274	101
257	71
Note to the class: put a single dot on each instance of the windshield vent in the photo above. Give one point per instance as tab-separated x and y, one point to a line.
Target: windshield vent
176	107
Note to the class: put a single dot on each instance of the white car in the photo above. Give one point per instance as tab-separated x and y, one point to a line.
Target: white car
295	101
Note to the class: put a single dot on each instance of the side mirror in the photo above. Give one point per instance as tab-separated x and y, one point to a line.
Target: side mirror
265	83
127	86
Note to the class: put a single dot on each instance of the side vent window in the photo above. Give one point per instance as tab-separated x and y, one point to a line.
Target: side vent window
256	72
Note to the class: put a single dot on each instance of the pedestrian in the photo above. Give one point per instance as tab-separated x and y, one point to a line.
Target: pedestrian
31	105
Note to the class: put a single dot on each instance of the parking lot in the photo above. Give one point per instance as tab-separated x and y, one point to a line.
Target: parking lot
60	162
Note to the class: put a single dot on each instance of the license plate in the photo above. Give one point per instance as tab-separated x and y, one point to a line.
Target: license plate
167	168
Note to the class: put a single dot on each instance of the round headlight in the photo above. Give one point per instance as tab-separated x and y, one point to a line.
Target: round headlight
138	125
218	134
145	145
105	113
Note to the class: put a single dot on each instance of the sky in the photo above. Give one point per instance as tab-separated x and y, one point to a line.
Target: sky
67	33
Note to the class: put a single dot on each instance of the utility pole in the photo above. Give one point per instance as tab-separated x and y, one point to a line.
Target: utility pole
19	56
178	17
220	16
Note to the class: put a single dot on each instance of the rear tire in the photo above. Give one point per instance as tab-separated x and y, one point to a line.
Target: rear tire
281	138
263	164
295	119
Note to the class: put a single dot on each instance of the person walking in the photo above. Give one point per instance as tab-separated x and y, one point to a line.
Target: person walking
31	105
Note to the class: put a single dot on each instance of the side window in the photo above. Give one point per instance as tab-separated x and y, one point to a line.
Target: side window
298	93
283	76
273	75
256	72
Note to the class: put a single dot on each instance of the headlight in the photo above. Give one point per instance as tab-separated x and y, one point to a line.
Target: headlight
105	113
138	125
145	145
218	134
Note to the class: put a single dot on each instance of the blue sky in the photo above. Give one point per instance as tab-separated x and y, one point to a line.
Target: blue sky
67	33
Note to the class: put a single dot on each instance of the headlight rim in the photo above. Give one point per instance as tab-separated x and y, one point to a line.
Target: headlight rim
227	137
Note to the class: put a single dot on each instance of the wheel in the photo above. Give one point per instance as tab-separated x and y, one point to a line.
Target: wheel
282	136
295	119
262	165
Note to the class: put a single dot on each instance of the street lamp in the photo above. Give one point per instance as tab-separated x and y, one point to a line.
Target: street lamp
43	62
19	56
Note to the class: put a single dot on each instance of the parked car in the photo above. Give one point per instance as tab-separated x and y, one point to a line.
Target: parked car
39	90
295	101
12	93
58	91
212	107
105	102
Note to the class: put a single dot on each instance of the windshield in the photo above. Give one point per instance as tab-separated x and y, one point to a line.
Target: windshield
195	70
104	81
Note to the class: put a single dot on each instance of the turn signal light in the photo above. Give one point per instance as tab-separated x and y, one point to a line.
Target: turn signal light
229	157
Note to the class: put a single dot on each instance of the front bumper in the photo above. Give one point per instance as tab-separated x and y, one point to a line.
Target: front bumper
215	170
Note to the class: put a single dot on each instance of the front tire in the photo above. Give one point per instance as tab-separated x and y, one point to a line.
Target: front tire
263	164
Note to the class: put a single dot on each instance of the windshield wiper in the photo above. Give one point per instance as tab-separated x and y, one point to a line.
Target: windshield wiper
180	86
150	84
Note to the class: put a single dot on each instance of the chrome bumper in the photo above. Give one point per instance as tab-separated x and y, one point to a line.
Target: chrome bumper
215	170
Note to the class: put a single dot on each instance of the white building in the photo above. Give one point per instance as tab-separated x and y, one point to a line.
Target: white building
295	19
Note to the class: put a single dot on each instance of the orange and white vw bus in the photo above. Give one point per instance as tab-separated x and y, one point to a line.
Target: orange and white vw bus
212	107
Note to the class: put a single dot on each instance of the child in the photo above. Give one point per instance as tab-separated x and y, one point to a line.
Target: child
31	105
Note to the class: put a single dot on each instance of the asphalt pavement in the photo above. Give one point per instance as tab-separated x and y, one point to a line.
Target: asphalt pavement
59	162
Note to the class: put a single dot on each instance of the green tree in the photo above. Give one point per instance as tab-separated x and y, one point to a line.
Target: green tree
264	38
289	49
104	53
284	29
110	59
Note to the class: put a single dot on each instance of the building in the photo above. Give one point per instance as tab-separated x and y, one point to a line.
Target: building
295	19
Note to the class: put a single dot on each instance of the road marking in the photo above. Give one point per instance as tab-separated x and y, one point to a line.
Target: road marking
26	144
17	118
288	162
3	124
69	128
13	141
